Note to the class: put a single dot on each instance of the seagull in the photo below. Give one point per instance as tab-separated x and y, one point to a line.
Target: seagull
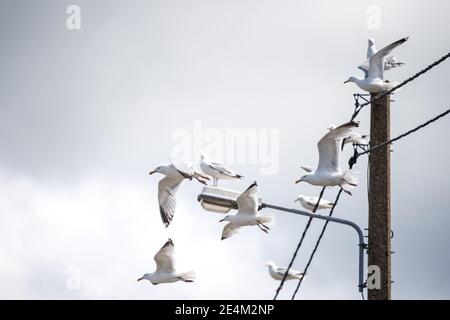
175	173
309	203
374	79
328	172
217	170
247	214
356	139
278	273
165	268
390	62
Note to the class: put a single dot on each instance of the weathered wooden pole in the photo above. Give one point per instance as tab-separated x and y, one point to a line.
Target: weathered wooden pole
379	249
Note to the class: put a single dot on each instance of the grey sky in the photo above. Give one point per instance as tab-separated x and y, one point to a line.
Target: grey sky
85	114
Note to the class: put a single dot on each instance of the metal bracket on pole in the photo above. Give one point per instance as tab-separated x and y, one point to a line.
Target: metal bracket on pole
219	200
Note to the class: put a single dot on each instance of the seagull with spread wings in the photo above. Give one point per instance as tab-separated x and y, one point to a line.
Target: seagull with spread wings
390	61
278	273
217	170
374	79
247	214
328	172
165	268
175	173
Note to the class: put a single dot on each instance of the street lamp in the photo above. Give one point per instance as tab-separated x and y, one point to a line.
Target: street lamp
223	200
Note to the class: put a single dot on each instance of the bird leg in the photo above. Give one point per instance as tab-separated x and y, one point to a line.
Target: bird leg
201	180
215	182
349	183
262	229
266	227
347	191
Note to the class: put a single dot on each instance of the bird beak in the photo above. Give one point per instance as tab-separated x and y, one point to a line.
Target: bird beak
295	200
297	181
141	278
152	172
222	220
347	81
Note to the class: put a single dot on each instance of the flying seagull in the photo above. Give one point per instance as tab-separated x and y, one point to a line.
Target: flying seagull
217	170
309	203
278	273
390	62
328	172
165	268
374	79
247	214
175	173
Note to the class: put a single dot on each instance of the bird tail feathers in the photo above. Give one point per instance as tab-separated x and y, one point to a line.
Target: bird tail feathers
187	276
350	178
267	219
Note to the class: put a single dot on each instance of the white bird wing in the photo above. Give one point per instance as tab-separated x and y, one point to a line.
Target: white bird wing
281	271
229	230
312	201
329	147
364	68
167	188
248	200
184	168
164	258
371	50
221	168
376	62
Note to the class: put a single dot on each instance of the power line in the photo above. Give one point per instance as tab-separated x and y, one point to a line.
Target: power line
298	247
353	160
388	92
355	157
321	234
317	244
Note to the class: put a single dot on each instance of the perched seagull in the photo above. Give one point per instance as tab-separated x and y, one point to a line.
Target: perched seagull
389	63
175	173
309	203
355	138
217	170
278	273
328	172
374	79
165	268
247	214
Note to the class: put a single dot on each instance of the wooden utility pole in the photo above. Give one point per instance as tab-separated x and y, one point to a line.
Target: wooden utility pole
379	249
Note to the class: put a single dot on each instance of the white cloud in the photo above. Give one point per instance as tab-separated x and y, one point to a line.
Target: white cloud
111	232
